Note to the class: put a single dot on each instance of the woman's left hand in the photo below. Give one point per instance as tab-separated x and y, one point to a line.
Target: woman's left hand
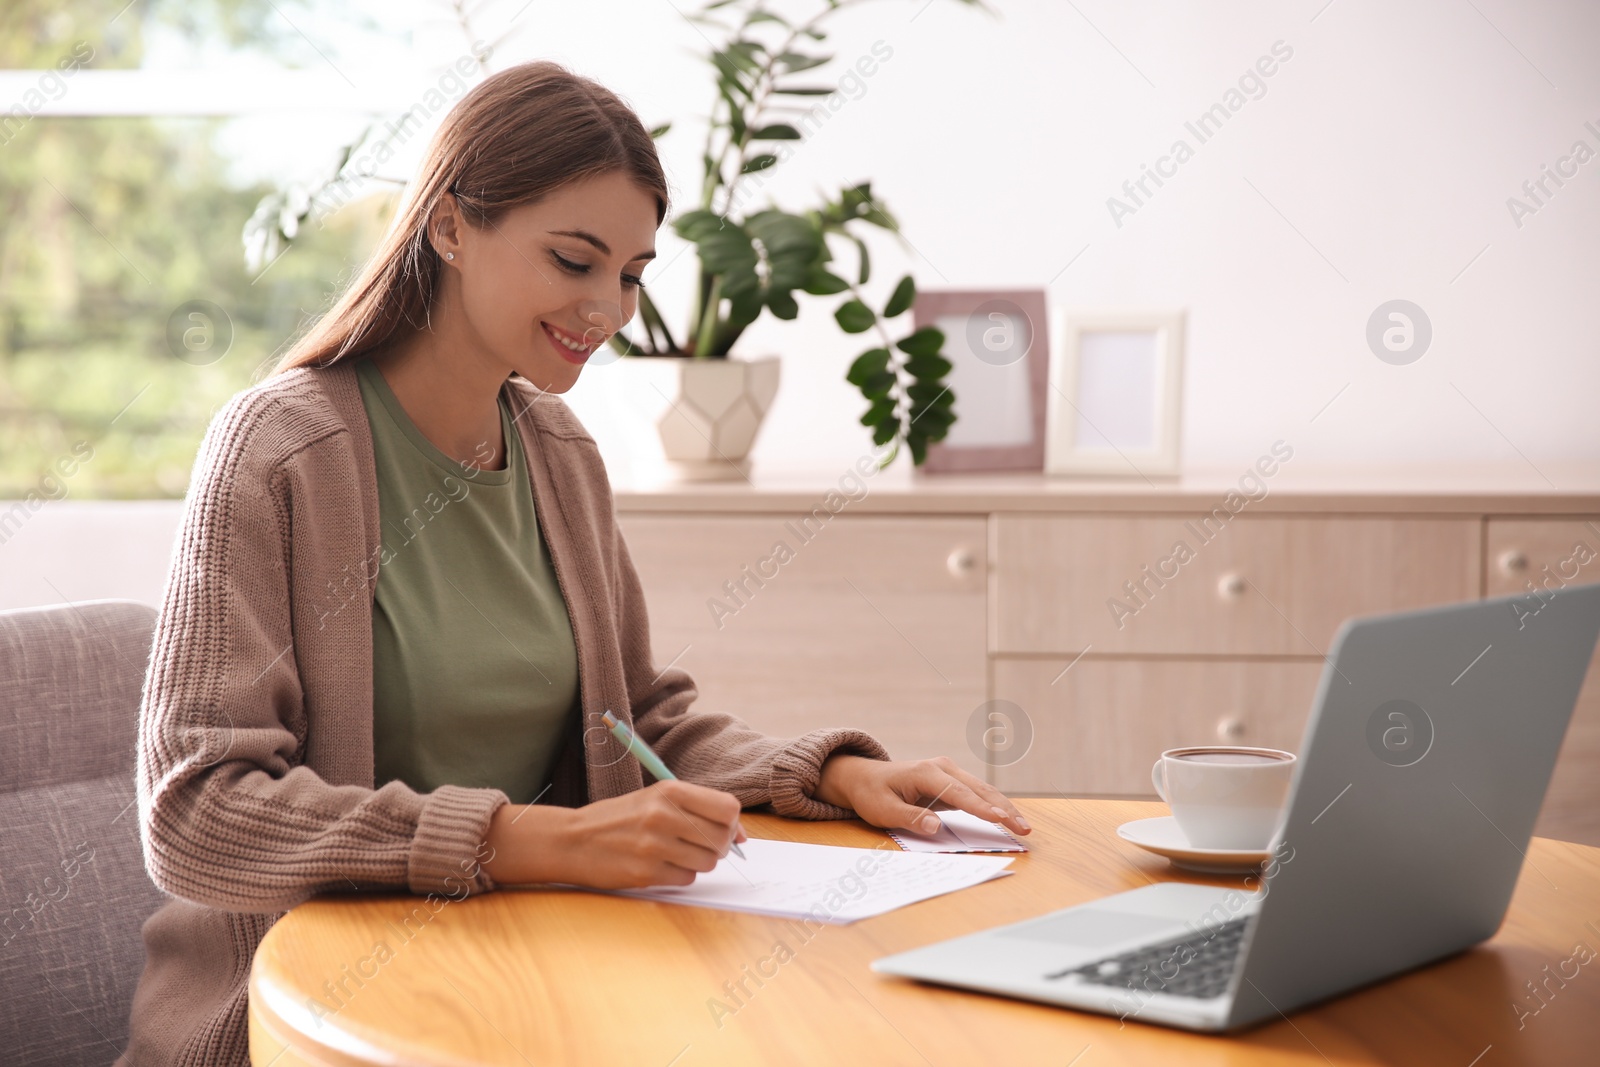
902	794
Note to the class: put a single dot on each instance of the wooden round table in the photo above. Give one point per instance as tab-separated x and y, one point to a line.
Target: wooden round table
548	976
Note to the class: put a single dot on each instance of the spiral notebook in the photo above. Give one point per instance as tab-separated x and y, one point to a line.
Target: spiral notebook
960	832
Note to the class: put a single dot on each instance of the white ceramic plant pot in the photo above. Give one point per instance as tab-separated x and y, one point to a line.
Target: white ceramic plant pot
709	425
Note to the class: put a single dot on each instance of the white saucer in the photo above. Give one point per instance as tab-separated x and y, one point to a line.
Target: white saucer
1163	837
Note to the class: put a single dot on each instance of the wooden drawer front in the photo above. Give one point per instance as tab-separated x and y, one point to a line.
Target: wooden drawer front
1546	552
874	622
1550	554
1099	727
1272	586
1571	809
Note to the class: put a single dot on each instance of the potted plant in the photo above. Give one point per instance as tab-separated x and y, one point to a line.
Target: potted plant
757	261
750	262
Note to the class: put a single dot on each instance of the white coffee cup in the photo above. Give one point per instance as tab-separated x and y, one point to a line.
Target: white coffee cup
1225	796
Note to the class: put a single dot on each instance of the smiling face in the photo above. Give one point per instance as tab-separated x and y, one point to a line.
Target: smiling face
544	286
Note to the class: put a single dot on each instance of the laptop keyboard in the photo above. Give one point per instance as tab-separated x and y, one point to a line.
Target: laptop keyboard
1204	975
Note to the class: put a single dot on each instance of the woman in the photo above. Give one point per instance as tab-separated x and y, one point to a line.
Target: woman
400	603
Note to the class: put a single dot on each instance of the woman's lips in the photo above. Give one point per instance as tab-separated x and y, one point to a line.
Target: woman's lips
578	358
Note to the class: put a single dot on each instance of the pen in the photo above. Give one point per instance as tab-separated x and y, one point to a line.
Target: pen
651	761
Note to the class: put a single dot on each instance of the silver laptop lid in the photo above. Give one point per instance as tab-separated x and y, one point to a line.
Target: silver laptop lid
1424	765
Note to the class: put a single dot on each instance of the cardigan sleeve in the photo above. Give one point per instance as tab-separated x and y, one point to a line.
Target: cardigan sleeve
229	815
715	748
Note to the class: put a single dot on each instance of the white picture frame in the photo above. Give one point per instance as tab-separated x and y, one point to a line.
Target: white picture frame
1115	393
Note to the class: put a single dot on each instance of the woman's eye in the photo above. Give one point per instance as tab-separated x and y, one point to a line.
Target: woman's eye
633	281
568	265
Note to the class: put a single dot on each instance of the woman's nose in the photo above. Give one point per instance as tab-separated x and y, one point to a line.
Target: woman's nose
601	319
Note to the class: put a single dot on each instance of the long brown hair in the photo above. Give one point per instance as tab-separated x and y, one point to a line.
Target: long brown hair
515	138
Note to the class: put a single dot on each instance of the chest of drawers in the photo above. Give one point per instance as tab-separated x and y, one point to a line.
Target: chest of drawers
1085	625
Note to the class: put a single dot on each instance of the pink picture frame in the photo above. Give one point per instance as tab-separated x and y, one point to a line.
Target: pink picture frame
1001	354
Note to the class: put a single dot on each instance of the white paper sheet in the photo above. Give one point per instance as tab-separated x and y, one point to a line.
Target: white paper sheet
960	832
824	883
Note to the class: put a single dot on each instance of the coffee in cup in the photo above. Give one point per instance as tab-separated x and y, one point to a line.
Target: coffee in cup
1225	796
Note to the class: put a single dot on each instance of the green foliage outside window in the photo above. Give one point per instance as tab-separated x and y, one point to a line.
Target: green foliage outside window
127	315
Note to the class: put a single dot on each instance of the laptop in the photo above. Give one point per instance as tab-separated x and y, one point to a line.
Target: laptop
1389	855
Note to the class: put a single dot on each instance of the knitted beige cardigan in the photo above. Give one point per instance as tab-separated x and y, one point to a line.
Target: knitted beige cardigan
255	766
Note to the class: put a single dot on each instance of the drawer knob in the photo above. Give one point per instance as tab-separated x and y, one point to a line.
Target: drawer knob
1230	728
961	562
1513	561
1230	584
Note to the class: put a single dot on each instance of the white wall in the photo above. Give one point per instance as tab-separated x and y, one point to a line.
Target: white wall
66	551
1377	165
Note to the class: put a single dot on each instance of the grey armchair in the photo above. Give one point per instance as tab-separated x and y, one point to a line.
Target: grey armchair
73	889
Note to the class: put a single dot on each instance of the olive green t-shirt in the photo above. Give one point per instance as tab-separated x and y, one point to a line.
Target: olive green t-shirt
474	668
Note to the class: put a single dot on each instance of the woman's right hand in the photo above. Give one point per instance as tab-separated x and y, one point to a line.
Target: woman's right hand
663	834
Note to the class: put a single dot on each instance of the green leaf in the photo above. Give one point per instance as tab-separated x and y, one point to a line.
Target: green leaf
919	448
803	90
853	316
734	93
879	216
728	73
881	409
743	309
792	62
886	429
725	250
739	280
778	131
744	53
901	298
759	162
822	282
659	336
765	16
783	234
878	384
783	304
926	394
791	244
924	342
658	131
869	364
786	269
857	202
697	224
928	366
928	418
866	262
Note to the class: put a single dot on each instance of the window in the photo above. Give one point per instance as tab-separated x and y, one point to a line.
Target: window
132	153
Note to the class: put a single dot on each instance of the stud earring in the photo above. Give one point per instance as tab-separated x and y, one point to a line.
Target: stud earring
449	255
